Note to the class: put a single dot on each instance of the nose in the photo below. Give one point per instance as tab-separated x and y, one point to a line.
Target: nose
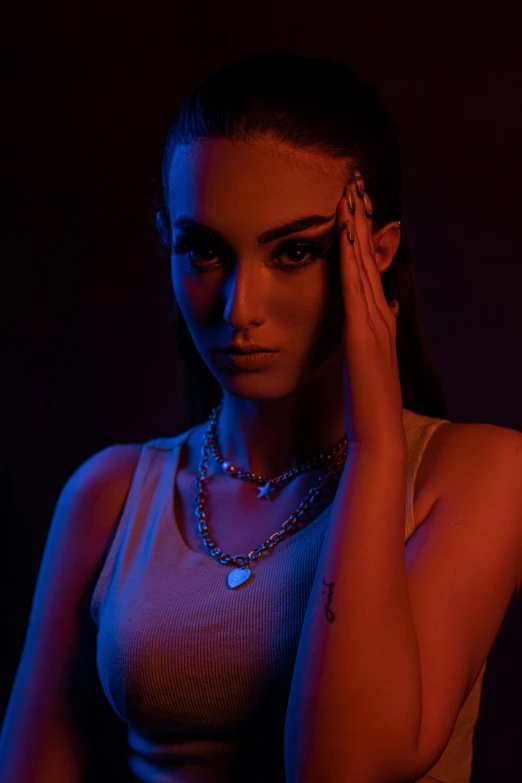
245	296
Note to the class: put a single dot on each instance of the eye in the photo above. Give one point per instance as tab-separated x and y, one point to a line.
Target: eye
200	253
296	249
187	246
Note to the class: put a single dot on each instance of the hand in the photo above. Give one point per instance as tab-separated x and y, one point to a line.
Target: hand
372	390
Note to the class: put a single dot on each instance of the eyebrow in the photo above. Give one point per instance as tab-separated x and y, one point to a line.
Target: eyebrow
300	224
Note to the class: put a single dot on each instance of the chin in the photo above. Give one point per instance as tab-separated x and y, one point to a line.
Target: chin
254	388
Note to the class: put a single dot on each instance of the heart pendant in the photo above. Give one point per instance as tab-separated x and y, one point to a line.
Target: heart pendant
238	577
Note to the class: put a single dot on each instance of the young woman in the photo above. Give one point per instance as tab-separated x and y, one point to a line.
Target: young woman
304	585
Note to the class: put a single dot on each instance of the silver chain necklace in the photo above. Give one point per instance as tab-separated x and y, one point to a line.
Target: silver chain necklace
241	573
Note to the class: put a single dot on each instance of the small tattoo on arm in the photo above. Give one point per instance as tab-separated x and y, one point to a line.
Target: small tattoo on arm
328	612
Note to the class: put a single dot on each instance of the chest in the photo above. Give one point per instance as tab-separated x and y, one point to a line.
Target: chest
239	522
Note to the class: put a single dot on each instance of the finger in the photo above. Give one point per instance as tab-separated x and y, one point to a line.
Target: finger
354	293
354	202
363	229
379	307
349	220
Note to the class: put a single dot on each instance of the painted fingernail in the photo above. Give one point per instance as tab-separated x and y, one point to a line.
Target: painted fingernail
350	199
350	231
359	183
368	206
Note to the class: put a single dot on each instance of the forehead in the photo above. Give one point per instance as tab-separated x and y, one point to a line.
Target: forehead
262	182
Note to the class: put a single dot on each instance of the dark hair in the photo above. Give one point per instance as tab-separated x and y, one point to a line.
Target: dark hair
320	106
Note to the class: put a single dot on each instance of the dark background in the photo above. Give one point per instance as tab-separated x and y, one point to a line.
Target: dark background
91	357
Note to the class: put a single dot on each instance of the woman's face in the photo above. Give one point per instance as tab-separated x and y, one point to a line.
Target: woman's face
246	287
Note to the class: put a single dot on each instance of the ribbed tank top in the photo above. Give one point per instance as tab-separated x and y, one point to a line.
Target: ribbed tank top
201	674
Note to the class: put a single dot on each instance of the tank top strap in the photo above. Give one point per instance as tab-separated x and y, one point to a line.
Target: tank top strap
418	429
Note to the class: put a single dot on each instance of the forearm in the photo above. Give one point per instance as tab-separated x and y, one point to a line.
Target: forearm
356	694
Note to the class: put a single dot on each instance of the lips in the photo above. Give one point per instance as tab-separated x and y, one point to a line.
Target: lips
247	349
243	353
254	360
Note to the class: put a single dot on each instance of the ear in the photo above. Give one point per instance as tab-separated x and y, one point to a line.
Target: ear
162	226
385	243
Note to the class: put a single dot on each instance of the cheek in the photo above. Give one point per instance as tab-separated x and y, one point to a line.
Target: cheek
322	310
309	309
193	298
321	299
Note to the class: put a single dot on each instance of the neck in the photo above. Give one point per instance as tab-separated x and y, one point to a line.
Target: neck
270	436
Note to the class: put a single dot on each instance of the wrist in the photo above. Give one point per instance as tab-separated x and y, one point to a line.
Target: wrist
392	451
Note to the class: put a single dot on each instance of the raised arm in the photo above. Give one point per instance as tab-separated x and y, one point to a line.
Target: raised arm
44	734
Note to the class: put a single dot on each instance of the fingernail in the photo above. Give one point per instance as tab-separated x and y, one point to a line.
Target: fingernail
350	231
359	183
350	199
368	205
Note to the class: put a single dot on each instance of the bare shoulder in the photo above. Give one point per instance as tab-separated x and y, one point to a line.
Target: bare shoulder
91	501
111	462
107	474
475	446
86	514
466	446
463	456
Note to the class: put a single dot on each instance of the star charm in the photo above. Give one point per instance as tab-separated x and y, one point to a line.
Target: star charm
263	492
